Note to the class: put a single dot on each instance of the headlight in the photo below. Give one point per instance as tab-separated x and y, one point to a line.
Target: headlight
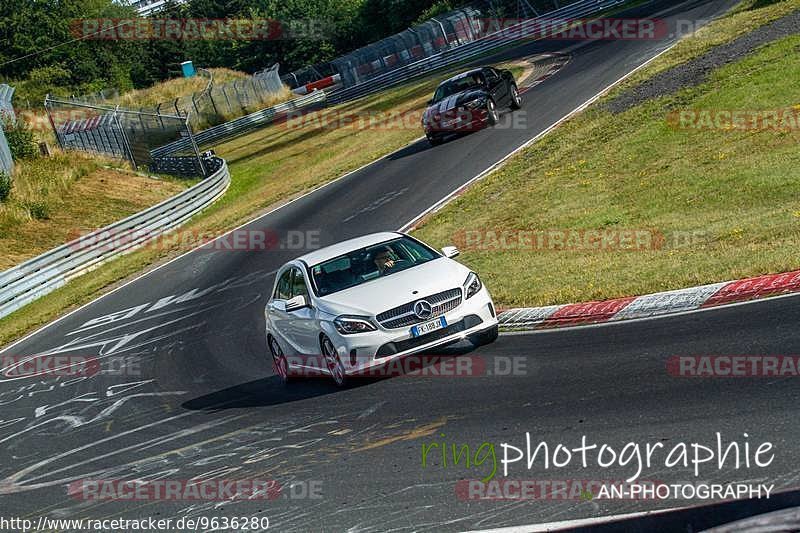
474	104
472	285
348	325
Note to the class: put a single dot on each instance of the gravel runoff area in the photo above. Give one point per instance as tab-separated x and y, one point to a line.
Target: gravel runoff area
695	71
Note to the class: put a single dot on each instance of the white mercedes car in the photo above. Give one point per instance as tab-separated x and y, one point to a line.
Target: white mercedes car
359	304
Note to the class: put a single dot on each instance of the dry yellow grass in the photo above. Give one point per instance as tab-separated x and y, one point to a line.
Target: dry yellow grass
55	199
175	88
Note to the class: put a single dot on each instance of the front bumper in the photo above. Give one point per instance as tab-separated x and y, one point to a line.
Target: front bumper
472	121
364	351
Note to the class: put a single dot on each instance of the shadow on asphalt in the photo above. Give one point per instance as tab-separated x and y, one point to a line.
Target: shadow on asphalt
271	391
261	393
412	149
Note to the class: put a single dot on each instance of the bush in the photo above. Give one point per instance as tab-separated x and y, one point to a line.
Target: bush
38	210
20	139
5	186
53	79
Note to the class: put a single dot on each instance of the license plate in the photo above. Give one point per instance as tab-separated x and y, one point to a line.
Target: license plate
428	327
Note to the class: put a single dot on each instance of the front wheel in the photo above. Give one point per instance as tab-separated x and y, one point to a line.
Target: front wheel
491	111
280	364
434	140
516	99
333	361
488	336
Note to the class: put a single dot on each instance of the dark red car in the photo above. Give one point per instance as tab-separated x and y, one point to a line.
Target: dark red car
469	102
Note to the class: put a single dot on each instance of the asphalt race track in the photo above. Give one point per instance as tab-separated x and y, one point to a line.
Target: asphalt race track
190	391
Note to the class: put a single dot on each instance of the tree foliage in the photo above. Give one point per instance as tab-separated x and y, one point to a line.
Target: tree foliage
42	52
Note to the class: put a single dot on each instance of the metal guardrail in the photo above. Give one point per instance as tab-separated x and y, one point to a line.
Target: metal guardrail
41	275
488	43
240	125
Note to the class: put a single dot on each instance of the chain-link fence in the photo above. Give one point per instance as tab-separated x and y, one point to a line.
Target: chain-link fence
443	32
451	29
223	102
104	97
517	29
307	74
126	134
271	78
215	104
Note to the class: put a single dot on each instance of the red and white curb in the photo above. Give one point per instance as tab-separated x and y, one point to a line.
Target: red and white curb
650	305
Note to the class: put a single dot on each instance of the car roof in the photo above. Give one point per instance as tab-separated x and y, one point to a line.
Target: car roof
463	75
341	248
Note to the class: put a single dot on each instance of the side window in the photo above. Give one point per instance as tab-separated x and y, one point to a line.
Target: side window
283	290
491	75
298	284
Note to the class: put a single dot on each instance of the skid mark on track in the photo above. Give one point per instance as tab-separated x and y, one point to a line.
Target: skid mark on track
416	433
370	410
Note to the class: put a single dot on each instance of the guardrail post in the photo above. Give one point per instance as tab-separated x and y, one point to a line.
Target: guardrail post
52	122
195	148
213	104
127	145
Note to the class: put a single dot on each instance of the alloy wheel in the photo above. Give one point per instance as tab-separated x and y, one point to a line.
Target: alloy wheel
280	365
492	109
333	361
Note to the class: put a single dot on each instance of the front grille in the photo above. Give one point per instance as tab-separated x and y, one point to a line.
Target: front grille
391	348
403	315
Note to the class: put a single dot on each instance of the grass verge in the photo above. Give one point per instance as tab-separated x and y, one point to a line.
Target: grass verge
718	203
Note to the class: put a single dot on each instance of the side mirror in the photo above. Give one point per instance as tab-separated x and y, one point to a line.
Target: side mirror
430	102
297	303
450	251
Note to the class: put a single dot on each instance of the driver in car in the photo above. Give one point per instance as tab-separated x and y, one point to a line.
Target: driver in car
385	260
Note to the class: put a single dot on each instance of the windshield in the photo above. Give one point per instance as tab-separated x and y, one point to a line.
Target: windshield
449	88
369	263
